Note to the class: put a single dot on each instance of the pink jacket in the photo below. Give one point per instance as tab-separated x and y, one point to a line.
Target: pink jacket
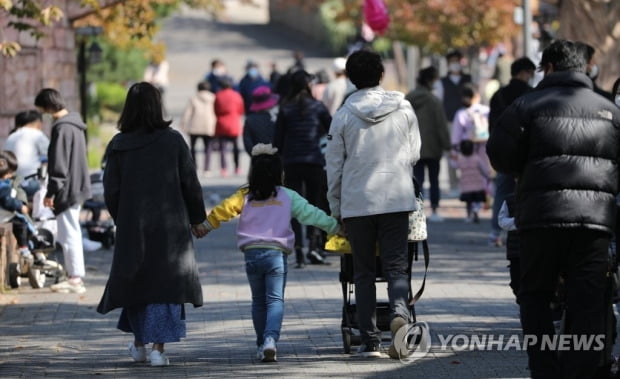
474	173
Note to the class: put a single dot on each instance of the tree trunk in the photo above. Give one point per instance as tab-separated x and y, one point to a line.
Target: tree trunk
596	22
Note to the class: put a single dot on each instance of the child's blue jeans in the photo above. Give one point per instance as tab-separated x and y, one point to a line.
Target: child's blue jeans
266	270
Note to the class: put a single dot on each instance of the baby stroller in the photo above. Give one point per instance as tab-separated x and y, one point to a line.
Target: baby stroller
98	230
41	241
41	237
349	323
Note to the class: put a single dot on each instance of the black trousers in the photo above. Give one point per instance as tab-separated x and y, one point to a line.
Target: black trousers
310	181
581	255
20	231
390	232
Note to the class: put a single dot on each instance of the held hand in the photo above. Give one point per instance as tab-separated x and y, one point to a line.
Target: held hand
200	230
48	202
25	209
341	232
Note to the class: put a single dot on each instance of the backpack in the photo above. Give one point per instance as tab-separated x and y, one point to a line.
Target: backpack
480	129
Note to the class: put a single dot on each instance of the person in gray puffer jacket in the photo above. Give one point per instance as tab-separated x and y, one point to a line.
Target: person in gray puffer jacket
562	141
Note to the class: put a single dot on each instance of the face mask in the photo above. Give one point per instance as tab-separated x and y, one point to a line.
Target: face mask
593	74
253	72
617	100
219	71
454	67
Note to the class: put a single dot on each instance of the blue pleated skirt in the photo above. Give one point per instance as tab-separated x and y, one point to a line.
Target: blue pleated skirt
154	323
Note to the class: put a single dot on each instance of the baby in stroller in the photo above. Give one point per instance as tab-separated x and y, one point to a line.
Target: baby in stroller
14	207
32	242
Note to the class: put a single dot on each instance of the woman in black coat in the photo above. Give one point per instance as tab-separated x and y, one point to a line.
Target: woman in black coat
153	194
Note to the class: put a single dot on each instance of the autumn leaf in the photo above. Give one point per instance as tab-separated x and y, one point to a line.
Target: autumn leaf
6	4
9	48
50	14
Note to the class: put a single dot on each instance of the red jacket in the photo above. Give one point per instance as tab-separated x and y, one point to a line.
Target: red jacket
228	109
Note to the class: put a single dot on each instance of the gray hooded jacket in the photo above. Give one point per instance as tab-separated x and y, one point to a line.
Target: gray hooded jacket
69	181
373	144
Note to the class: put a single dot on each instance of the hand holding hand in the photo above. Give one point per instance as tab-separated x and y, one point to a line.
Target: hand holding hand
25	209
200	230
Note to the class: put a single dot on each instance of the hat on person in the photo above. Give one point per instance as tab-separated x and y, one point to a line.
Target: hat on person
339	64
262	99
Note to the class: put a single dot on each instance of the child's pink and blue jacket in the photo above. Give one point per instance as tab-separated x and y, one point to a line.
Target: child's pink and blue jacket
267	223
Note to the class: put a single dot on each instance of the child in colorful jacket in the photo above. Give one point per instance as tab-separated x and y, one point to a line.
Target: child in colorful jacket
265	236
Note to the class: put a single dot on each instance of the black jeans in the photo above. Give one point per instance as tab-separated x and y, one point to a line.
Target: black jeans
433	178
390	232
207	143
20	231
310	181
223	142
581	255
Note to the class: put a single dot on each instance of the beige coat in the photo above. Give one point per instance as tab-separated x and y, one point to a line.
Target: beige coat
199	117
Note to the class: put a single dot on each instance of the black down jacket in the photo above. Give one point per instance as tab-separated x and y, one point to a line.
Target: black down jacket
562	141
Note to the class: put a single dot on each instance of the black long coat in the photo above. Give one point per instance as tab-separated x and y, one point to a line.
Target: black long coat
153	194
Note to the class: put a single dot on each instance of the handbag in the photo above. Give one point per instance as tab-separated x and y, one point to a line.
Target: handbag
417	218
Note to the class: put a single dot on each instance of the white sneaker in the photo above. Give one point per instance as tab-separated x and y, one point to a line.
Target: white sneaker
159	359
269	350
435	218
68	287
138	353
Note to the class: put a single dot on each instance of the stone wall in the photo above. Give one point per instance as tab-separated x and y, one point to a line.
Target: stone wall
48	62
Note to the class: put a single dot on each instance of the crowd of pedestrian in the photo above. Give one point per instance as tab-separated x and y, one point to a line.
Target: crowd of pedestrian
322	152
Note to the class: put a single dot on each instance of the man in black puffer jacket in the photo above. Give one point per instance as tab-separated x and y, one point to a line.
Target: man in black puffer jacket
563	142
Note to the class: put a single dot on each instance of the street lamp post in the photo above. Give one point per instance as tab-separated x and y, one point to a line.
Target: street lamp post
94	56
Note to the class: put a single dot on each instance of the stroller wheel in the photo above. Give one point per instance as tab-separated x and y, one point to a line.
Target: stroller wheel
346	340
36	278
14	275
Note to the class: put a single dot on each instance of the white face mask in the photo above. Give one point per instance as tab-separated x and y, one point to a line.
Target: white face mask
454	67
617	101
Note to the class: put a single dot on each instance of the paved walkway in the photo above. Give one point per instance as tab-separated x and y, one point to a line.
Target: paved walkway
61	335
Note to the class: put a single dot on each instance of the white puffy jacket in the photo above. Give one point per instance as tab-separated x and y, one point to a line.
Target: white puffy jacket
373	144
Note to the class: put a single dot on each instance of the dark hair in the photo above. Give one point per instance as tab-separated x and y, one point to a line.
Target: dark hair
615	87
265	174
225	82
365	69
454	54
467	147
26	117
427	75
468	90
585	49
142	110
299	90
521	64
321	76
564	55
204	86
215	62
8	162
49	100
